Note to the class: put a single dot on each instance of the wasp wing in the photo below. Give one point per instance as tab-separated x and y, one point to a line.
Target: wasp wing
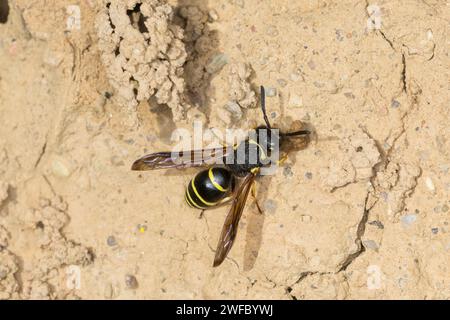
180	160
231	224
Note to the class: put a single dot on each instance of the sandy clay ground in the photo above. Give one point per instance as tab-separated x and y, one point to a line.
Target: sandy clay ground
87	87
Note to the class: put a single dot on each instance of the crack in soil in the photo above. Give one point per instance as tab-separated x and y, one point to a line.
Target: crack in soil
359	234
377	168
390	42
403	74
44	147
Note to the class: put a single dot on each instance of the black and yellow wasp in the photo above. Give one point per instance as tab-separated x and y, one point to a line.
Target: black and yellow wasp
218	185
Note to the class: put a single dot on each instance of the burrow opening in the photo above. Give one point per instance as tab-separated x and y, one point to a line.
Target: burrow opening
137	19
4	11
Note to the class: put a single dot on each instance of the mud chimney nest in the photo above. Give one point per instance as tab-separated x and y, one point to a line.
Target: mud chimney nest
143	53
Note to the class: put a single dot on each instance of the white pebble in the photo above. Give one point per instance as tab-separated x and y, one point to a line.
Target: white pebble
60	168
306	218
408	219
217	63
213	15
271	92
370	244
74	19
294	77
295	101
430	185
314	261
234	109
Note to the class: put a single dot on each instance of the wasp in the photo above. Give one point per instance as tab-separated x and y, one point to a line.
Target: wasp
228	182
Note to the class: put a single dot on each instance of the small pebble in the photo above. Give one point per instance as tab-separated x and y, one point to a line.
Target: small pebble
408	219
430	185
402	282
287	172
308	175
434	230
349	95
377	223
234	109
282	83
213	15
339	36
384	195
60	168
318	84
295	77
295	101
131	282
272	31
116	161
306	218
395	104
314	261
370	244
444	208
270	206
444	168
271	92
216	63
73	21
111	241
311	65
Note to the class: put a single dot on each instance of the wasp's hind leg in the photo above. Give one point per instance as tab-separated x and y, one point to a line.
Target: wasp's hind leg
282	160
200	216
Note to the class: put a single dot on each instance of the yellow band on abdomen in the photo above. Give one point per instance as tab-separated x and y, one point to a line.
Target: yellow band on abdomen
190	201
209	204
214	182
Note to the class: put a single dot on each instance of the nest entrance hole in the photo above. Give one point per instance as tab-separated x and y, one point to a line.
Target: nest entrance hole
137	19
4	11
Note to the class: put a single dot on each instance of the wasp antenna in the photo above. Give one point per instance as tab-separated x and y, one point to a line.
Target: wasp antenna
263	106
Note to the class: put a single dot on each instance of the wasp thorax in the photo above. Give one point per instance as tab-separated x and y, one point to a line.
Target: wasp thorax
268	139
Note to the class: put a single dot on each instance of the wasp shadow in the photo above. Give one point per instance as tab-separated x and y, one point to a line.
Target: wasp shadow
255	223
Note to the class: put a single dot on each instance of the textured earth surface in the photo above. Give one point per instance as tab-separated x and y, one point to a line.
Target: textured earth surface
361	213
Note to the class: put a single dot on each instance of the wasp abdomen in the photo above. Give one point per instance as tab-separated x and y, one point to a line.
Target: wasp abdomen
209	187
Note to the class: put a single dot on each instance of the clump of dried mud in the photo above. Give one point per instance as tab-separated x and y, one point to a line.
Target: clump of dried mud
361	213
143	52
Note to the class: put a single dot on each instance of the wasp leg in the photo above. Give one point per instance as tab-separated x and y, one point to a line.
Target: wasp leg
201	214
255	198
282	160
